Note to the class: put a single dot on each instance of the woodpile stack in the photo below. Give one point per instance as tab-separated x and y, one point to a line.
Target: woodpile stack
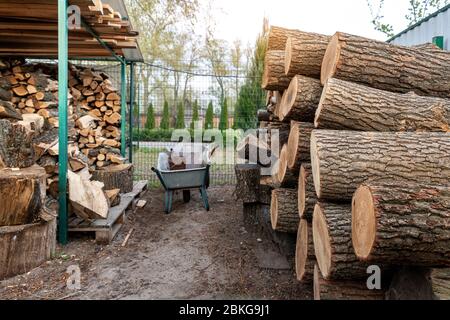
29	153
369	148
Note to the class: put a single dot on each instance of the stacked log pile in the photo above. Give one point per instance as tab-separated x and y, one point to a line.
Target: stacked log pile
369	145
29	153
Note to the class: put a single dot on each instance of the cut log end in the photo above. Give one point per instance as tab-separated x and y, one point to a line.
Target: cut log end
301	251
288	56
282	167
322	241
302	192
274	210
315	164
289	98
320	106
330	59
293	146
363	222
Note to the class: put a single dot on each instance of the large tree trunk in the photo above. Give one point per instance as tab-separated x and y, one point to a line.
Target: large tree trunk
248	178
300	100
284	211
305	258
307	197
16	145
22	195
402	224
273	76
345	105
343	290
304	54
388	67
343	160
282	176
298	149
332	230
116	177
25	247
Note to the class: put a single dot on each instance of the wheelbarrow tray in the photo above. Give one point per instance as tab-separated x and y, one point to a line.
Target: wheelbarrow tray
183	179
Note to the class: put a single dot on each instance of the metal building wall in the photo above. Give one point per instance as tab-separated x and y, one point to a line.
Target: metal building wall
423	33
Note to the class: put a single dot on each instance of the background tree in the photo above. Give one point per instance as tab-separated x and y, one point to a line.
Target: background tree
251	96
150	123
195	114
165	121
223	123
209	117
417	10
180	124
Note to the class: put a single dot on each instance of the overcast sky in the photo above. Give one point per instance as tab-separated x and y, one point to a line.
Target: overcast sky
242	19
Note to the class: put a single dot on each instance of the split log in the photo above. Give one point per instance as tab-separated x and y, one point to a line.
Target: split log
273	76
25	247
16	149
343	160
284	211
332	232
402	224
304	54
298	147
305	260
301	99
49	164
7	110
281	175
343	290
307	197
350	106
387	67
113	197
87	198
116	177
22	194
247	182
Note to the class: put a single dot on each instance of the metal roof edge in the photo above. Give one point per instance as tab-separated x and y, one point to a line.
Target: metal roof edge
447	7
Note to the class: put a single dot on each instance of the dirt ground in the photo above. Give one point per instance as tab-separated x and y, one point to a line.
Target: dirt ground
190	254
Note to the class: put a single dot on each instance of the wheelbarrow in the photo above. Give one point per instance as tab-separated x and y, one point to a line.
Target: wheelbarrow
185	180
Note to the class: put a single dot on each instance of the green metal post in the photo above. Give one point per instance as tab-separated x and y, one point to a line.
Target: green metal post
63	51
131	114
139	112
123	112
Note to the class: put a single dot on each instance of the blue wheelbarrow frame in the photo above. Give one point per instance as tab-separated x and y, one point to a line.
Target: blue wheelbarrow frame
185	180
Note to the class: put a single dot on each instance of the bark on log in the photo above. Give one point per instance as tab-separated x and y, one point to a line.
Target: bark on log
402	224
25	247
305	259
385	66
350	106
255	150
343	160
278	36
299	143
284	211
116	177
343	290
281	175
441	283
307	197
248	178
278	134
273	76
332	231
300	100
22	195
16	145
304	54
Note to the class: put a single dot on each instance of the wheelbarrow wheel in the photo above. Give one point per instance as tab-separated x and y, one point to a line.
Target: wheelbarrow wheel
186	196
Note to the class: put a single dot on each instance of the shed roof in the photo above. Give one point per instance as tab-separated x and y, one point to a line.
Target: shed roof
30	28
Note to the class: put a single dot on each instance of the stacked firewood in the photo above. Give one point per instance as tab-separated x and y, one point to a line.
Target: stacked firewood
29	133
364	175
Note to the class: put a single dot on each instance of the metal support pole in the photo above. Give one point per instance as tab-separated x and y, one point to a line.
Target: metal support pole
131	114
123	111
63	51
